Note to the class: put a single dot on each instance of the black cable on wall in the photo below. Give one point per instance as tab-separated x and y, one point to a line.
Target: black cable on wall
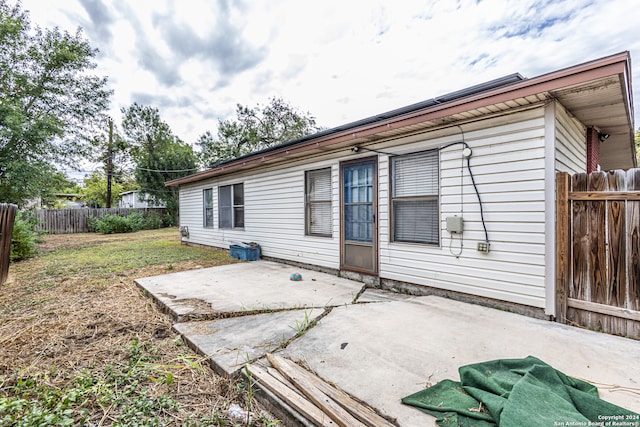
473	180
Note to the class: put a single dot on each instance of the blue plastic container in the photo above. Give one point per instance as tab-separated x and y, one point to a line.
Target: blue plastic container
251	253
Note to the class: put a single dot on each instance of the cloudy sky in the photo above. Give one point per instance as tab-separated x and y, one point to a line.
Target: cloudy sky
340	60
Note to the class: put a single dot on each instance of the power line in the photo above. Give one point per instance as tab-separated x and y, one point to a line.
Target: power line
168	171
121	172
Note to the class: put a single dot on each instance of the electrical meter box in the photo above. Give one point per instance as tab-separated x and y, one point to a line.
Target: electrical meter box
455	224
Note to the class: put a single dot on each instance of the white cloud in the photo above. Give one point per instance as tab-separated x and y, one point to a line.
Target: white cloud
340	60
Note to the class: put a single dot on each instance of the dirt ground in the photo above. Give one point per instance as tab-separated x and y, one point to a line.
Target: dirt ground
62	317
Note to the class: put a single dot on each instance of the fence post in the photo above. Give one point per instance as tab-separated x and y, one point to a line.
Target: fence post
7	217
563	248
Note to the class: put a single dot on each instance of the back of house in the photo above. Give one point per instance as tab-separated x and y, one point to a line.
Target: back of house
453	196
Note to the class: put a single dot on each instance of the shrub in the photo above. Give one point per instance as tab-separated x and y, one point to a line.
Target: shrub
168	220
136	221
108	224
91	224
153	221
23	238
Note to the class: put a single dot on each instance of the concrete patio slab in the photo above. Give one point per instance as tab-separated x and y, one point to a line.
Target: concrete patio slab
230	343
382	352
383	346
379	295
246	287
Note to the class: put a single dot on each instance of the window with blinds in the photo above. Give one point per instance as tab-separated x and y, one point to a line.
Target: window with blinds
318	216
414	198
207	197
231	206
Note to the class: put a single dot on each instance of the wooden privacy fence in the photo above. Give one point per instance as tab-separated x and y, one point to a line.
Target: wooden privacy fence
598	251
65	221
7	217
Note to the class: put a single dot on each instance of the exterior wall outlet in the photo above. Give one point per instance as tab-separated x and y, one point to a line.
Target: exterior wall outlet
483	247
455	224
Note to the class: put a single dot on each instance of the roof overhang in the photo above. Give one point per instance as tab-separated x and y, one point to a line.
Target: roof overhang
598	93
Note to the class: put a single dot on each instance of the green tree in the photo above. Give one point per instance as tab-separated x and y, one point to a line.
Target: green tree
61	184
58	183
50	103
94	192
255	129
158	155
22	181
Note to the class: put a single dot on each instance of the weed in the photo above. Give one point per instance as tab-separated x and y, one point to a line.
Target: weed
118	257
124	387
250	391
24	304
77	295
301	326
23	238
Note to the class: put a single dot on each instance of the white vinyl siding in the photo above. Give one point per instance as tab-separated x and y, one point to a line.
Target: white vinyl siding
508	166
138	200
571	143
415	184
567	152
318	221
508	163
274	203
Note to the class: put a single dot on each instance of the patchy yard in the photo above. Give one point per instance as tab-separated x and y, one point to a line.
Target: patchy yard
81	345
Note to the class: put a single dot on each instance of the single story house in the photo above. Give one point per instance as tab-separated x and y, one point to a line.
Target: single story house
453	196
137	199
56	200
69	200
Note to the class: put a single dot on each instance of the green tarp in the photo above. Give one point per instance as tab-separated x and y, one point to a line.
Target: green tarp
518	393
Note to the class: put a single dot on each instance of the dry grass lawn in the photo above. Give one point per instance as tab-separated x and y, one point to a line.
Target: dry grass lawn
80	344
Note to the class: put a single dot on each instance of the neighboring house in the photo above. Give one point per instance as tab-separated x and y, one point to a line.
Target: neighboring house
68	200
137	199
61	201
381	199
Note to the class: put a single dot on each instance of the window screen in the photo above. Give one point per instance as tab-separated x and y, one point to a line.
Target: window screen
207	198
318	215
231	206
414	193
238	205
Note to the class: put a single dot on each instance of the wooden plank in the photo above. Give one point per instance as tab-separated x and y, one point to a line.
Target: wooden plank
579	286
61	221
608	248
324	402
358	410
603	195
563	249
7	219
616	268
617	243
609	310
597	250
298	402
633	252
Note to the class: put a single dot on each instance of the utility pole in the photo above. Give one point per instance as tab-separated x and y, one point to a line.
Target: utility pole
109	163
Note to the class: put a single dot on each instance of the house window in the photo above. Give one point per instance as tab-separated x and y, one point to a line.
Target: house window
207	197
318	217
414	198
231	206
